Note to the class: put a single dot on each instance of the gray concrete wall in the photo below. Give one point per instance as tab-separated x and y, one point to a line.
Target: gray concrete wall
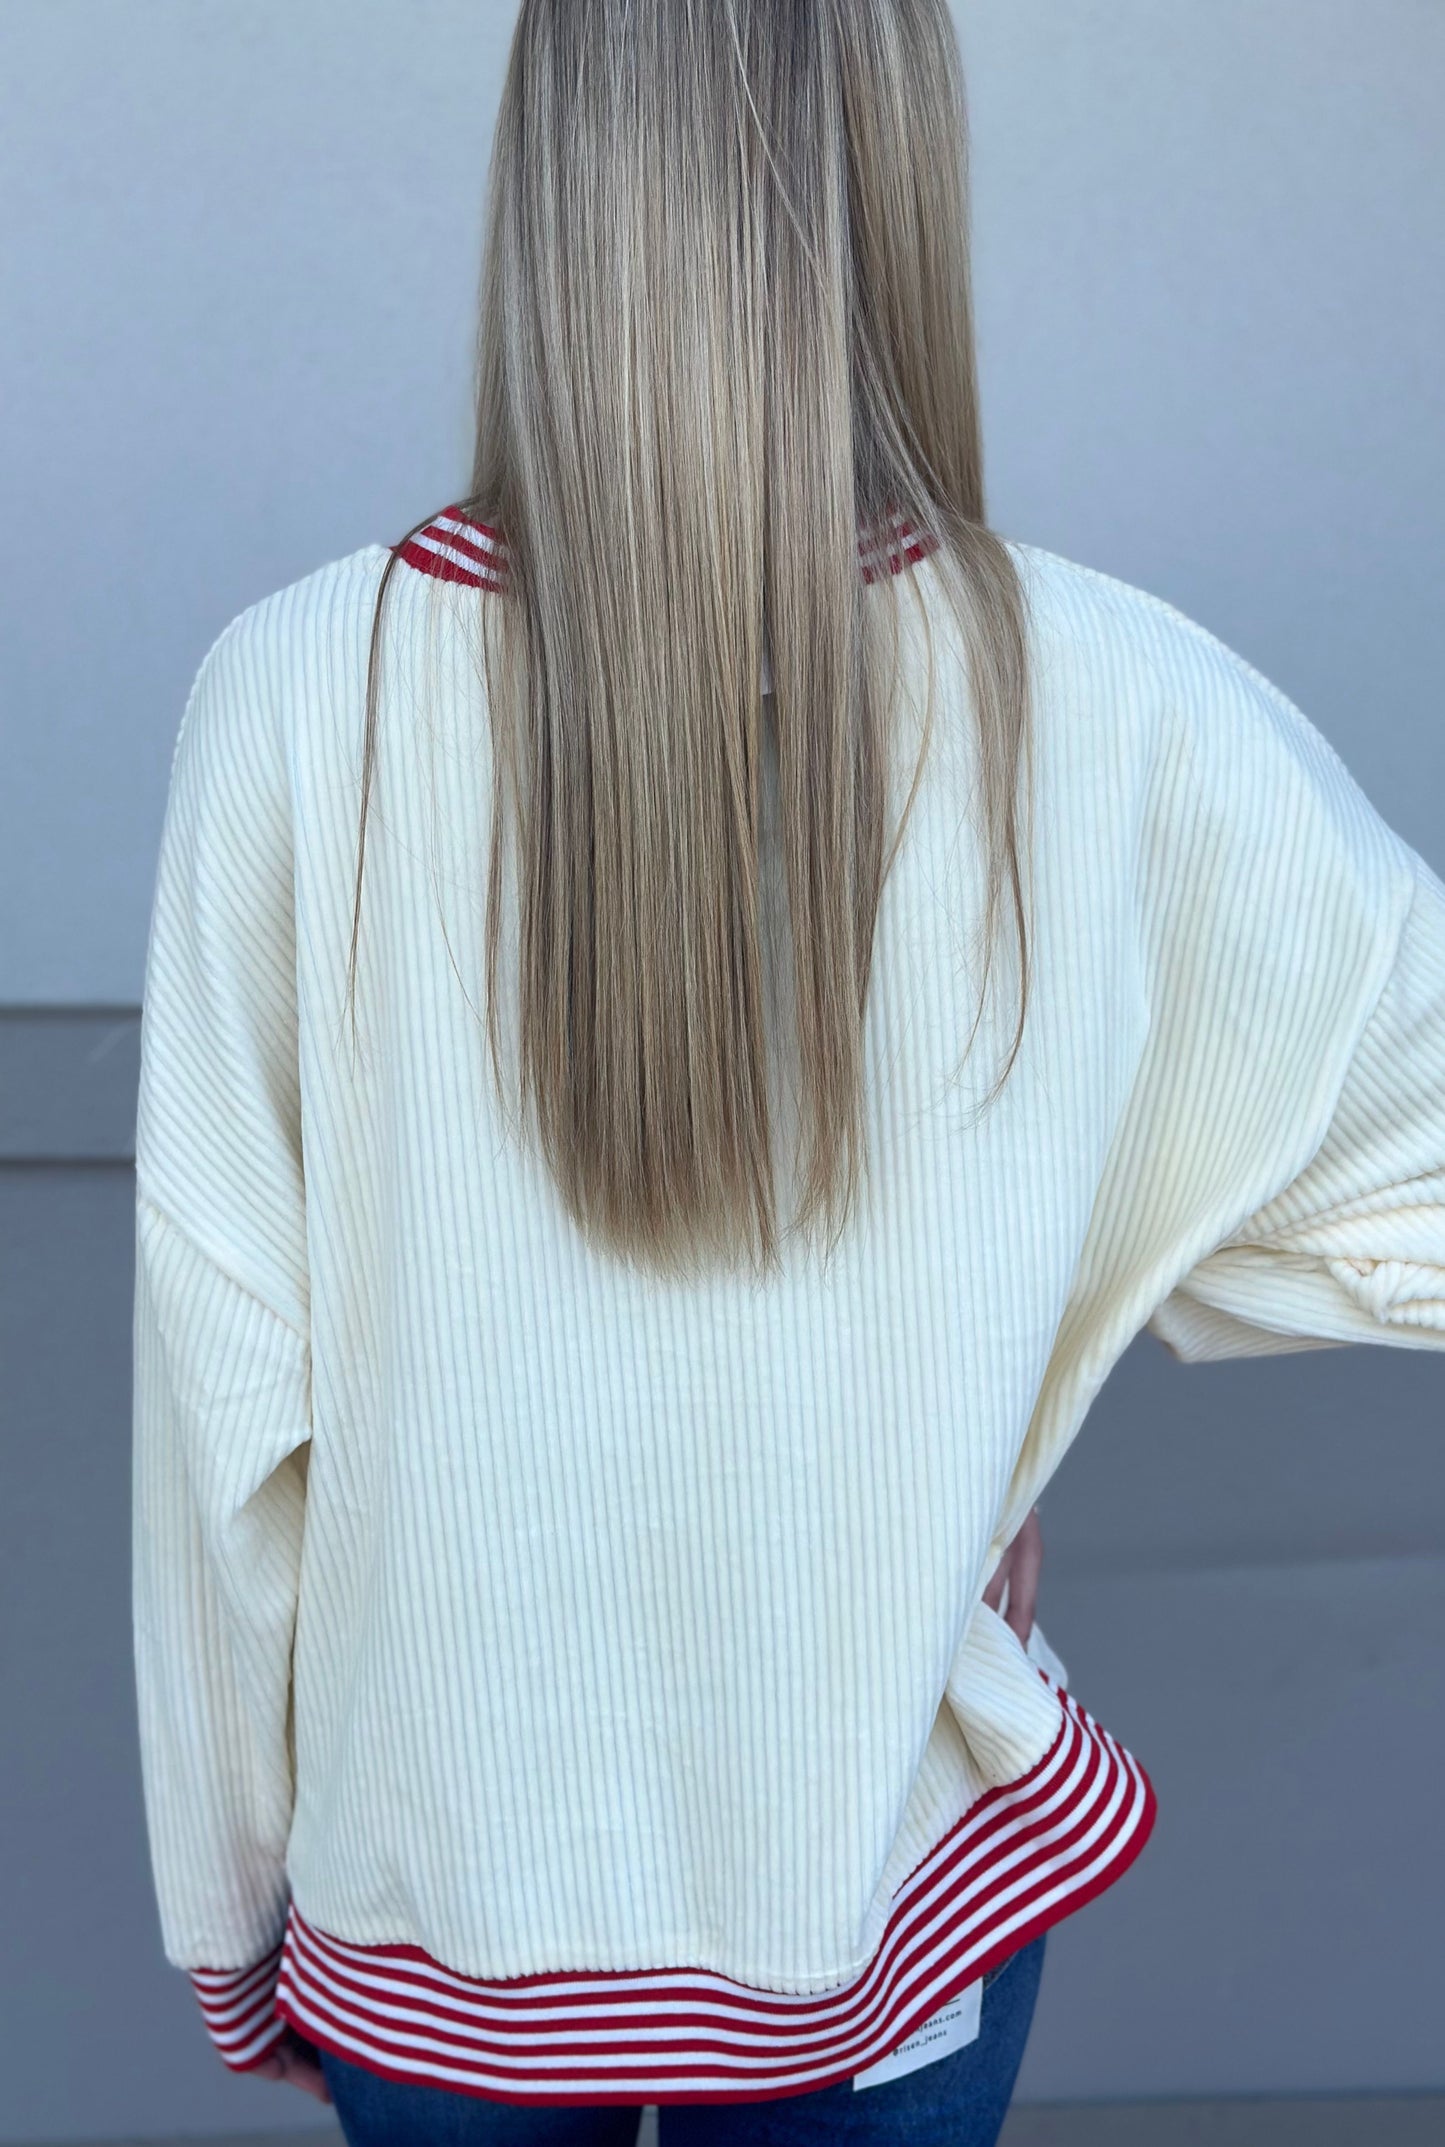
237	286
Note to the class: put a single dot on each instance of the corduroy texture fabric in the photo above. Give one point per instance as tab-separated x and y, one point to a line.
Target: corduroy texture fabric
492	1600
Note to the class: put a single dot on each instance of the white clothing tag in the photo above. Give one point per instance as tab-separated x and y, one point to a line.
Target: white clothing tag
954	2024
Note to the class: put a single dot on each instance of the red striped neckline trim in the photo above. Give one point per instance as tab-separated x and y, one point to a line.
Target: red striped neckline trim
456	547
1023	1856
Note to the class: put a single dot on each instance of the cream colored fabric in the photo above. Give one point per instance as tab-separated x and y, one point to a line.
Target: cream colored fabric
496	1600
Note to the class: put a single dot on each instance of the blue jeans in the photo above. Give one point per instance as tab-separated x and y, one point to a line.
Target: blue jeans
957	2101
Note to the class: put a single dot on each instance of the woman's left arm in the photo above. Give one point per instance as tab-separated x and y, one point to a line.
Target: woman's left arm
221	1363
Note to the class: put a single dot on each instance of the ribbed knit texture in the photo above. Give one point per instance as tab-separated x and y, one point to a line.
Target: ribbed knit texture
632	1623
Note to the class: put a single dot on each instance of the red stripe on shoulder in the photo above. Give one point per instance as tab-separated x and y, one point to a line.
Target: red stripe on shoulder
890	546
455	547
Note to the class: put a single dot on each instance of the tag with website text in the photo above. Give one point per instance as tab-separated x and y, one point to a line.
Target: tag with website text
953	2025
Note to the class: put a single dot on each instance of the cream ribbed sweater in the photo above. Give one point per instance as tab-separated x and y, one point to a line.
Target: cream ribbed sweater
631	1624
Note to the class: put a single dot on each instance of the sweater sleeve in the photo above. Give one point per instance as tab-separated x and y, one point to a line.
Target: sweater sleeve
1353	1248
1286	1154
221	1359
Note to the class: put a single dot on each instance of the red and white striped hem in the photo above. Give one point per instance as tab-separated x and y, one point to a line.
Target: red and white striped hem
1024	1856
455	547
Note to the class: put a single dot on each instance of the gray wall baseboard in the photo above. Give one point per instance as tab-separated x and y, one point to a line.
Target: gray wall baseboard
1244	2121
1270	2121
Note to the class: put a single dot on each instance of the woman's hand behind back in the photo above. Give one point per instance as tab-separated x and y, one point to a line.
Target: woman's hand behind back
1018	1570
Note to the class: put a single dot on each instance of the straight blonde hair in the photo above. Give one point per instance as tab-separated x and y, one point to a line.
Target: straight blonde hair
726	322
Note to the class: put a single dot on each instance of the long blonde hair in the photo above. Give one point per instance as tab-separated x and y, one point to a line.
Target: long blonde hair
726	321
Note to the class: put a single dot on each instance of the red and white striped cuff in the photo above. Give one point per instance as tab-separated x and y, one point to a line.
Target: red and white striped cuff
239	2009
